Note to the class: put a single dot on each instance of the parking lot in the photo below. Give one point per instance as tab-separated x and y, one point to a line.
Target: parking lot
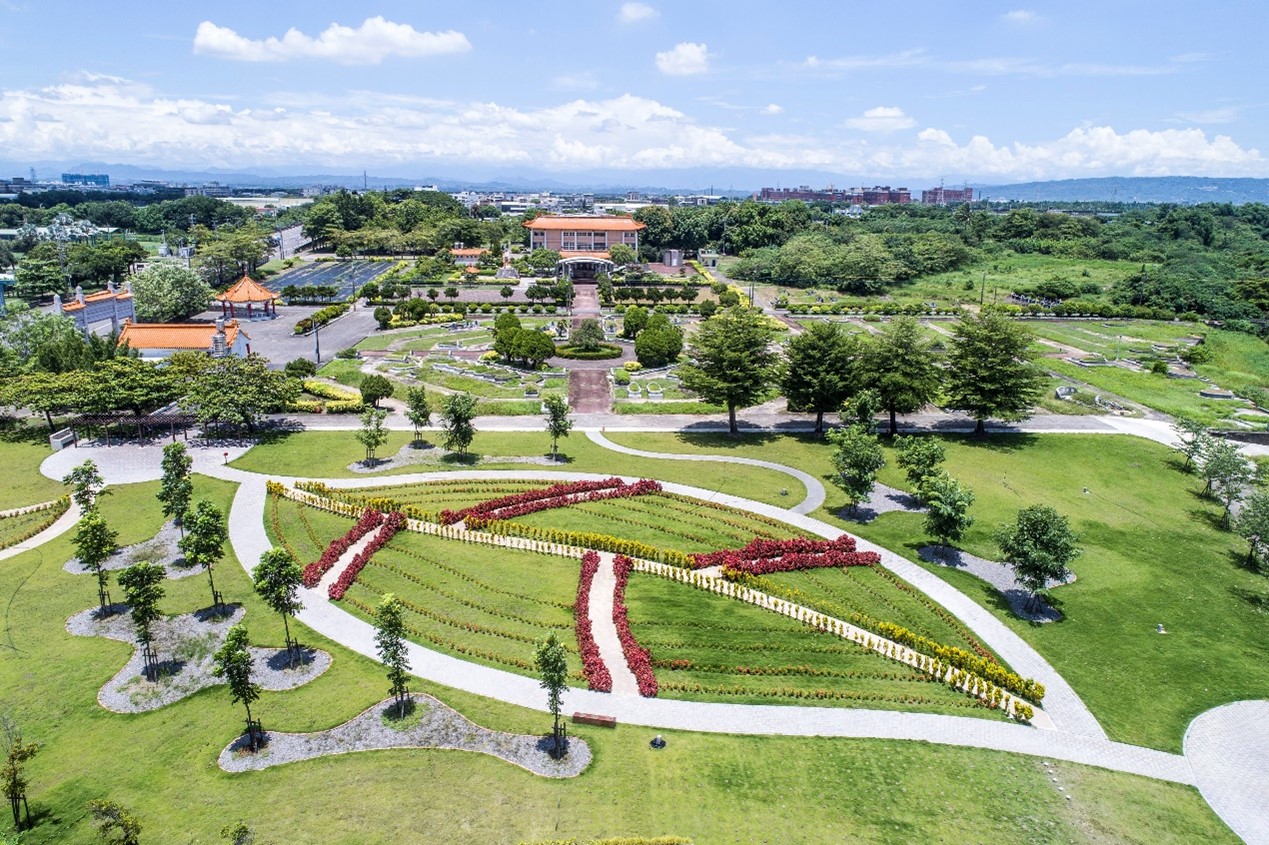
347	276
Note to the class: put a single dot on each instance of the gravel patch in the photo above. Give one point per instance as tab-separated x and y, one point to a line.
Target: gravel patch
999	576
883	499
431	455
162	549
185	645
431	725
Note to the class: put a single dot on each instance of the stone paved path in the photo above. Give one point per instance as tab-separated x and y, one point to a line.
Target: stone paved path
815	493
1228	749
605	631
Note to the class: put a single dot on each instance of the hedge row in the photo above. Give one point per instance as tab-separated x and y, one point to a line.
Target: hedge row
321	317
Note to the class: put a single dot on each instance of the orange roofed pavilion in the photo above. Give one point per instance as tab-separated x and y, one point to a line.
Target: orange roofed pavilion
249	293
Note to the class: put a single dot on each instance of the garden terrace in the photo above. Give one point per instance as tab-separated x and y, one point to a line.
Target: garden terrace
708	647
305	531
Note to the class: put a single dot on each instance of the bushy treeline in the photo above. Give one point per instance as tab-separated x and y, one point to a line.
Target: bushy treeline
138	212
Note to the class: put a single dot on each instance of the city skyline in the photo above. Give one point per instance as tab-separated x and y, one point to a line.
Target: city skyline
981	93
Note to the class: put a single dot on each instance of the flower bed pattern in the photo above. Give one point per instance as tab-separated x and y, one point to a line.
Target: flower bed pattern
763	556
637	657
313	573
598	677
392	523
555	496
27	522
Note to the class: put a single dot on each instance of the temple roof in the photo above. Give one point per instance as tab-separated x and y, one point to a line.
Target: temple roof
101	296
175	335
247	290
593	223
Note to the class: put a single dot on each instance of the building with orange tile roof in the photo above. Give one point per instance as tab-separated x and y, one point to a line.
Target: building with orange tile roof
466	256
109	304
162	340
583	241
248	294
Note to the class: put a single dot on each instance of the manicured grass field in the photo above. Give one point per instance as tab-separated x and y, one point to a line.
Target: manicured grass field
713	648
15	529
305	531
1152	553
1169	395
481	604
710	787
21	452
327	454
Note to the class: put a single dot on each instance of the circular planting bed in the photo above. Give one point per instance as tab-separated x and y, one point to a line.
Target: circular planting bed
604	352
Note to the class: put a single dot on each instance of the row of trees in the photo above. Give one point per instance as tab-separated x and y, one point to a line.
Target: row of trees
988	370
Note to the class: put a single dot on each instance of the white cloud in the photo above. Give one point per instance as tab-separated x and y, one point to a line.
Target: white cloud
685	59
635	12
1223	115
372	42
1021	17
773	108
881	119
580	81
1013	66
905	58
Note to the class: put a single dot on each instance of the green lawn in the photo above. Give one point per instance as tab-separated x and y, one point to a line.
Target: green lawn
1169	395
22	450
713	648
1152	553
327	454
709	787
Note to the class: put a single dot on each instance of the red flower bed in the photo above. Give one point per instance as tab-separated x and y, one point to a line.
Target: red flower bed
555	496
763	556
598	677
314	571
393	523
637	657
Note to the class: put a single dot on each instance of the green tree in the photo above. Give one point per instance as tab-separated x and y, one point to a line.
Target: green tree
588	336
86	484
901	366
38	277
947	503
621	254
277	579
166	291
142	585
372	434
383	316
94	543
506	292
820	370
115	824
417	409
919	457
506	329
990	369
374	388
390	644
731	361
47	393
659	346
457	412
233	663
1253	525
857	457
176	487
553	670
634	321
1228	473
1193	437
533	348
204	541
557	422
1038	546
300	368
239	833
237	390
13	775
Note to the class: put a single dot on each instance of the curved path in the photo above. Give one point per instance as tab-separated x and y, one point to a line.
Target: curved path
1077	737
815	493
1228	749
60	526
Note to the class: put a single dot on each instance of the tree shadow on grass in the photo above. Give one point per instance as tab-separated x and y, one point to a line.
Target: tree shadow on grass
723	440
1258	601
1208	518
468	459
214	613
995	441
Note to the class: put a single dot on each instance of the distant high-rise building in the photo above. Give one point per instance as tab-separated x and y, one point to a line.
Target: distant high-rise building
946	196
876	195
95	180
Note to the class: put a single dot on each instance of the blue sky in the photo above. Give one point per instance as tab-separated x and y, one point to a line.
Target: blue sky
984	91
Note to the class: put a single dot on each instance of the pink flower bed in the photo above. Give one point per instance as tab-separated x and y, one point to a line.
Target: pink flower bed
637	657
555	496
393	523
314	571
763	556
598	677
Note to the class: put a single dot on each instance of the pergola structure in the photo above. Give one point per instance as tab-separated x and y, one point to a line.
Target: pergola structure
249	294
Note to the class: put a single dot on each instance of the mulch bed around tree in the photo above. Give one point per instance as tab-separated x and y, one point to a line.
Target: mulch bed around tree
185	645
162	549
999	576
430	725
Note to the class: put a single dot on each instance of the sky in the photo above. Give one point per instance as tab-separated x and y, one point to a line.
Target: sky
845	91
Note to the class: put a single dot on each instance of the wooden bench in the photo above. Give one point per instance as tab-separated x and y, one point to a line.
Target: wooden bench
596	720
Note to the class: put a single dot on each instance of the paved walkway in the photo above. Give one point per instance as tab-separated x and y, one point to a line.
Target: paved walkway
60	526
1228	749
815	493
604	629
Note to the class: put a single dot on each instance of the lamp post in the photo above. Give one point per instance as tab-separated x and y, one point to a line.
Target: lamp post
317	342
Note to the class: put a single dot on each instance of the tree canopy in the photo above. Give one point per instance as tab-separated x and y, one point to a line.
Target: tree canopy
731	361
990	372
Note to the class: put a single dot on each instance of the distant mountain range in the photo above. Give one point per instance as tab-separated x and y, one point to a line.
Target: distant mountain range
737	182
